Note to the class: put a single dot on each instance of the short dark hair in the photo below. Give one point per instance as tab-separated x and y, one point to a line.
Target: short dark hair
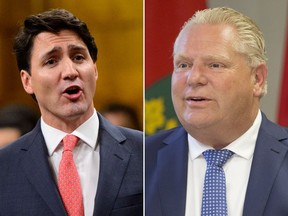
128	111
20	117
52	21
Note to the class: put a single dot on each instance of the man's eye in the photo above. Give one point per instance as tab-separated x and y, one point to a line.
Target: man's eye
215	65
183	65
78	57
50	62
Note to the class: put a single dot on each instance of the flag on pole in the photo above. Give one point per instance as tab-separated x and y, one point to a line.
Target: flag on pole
163	21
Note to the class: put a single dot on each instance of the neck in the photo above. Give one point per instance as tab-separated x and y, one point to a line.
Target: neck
220	136
68	124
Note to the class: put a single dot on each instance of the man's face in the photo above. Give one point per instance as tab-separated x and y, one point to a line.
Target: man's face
213	88
63	78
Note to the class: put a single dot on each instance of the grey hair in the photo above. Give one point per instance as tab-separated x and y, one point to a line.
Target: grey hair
250	38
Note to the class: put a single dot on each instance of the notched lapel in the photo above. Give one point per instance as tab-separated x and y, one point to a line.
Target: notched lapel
267	160
114	160
172	165
36	166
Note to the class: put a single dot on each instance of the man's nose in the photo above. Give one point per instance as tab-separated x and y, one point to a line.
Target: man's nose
196	76
69	70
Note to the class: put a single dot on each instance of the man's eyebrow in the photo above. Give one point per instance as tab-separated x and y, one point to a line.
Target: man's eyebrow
77	47
56	49
51	52
217	57
181	58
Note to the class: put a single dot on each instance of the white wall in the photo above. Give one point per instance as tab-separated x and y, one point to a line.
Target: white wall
271	18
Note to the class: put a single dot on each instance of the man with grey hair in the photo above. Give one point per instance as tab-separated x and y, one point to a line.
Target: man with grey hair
227	158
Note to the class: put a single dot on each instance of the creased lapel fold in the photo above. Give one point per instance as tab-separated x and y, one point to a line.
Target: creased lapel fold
172	165
36	167
114	160
268	157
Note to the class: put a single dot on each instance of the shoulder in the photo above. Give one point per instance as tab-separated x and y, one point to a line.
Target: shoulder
11	155
11	152
21	143
160	137
159	140
273	130
131	139
162	134
131	133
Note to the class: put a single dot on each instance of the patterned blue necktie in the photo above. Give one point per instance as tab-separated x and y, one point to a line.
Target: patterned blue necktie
214	192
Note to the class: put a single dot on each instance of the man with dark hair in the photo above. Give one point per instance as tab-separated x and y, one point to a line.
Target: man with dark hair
15	121
74	162
121	115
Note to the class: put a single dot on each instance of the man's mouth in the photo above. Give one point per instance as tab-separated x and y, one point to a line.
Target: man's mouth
73	93
197	99
72	90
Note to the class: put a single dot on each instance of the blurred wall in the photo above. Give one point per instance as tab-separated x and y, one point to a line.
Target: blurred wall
271	17
117	26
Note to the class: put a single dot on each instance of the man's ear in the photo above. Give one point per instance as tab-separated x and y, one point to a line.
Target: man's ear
260	80
26	81
96	71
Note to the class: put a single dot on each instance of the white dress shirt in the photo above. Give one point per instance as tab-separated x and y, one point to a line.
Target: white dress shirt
86	156
237	170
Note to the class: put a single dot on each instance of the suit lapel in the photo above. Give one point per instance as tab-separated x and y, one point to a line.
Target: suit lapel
114	159
35	165
172	165
268	157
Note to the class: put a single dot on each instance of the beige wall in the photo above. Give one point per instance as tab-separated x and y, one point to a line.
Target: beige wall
117	27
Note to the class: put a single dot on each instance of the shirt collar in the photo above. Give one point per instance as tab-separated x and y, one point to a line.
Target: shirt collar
87	132
243	146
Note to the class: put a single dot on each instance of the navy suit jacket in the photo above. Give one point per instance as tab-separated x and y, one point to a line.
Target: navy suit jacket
27	187
166	173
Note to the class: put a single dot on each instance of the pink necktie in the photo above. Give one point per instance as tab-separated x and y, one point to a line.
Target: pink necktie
68	179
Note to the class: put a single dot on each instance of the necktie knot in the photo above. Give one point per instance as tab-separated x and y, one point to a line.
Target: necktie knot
217	157
69	142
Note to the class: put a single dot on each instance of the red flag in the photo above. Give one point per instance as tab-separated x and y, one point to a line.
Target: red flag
163	20
283	100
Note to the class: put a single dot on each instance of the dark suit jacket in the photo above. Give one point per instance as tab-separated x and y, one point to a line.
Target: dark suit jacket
27	187
166	173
